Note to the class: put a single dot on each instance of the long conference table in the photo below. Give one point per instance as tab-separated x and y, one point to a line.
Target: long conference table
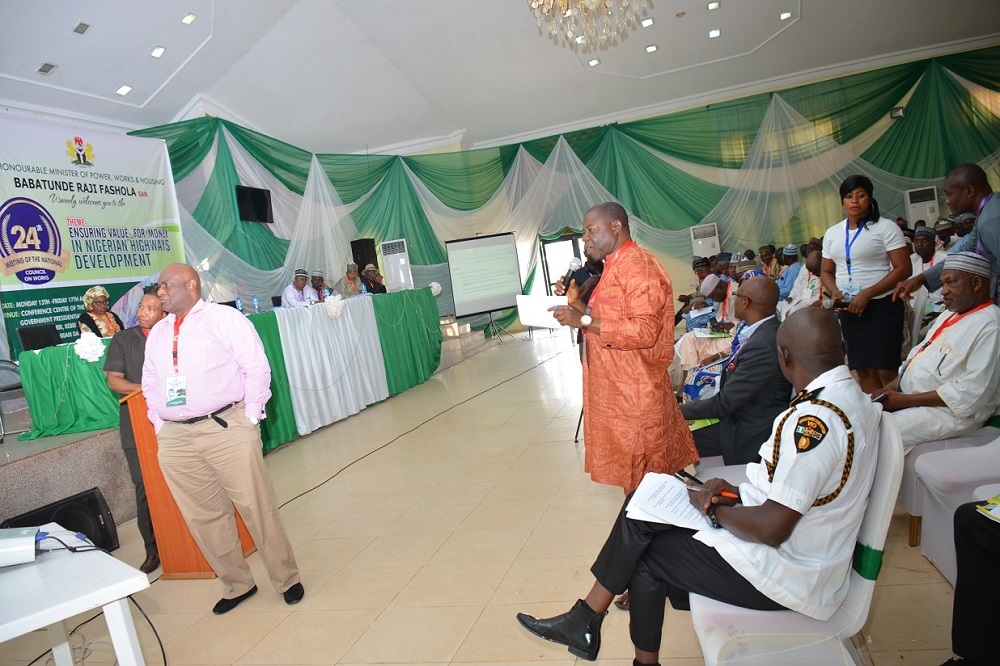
322	369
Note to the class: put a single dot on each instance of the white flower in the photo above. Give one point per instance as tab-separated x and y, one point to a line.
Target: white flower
435	289
334	306
89	347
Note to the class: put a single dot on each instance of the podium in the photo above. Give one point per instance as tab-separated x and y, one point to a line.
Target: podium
180	556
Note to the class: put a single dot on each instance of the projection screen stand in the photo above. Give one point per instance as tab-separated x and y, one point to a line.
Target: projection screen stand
495	329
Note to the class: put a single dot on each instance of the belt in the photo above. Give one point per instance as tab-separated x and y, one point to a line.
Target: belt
214	416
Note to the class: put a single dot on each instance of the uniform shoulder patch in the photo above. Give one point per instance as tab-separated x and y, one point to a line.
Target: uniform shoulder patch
810	430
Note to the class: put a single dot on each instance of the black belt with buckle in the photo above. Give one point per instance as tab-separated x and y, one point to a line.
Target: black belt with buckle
214	416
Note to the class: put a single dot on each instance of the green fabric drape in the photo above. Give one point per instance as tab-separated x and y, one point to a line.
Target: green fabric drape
583	142
188	142
410	334
66	393
279	426
286	162
979	67
661	195
464	180
393	211
944	125
354	176
217	214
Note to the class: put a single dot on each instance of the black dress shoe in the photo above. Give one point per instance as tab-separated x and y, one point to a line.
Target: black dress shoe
293	595
226	605
579	629
151	564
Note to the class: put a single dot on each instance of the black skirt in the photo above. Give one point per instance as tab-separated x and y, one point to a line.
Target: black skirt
875	339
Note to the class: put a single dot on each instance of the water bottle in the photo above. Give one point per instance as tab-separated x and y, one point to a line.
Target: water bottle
239	304
256	304
364	287
326	293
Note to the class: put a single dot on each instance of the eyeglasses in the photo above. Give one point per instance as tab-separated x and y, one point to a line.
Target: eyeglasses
739	295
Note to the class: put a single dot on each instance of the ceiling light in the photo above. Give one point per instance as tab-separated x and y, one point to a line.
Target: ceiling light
594	24
594	63
189	18
157	52
897	112
646	22
46	68
715	32
81	28
650	48
124	90
713	5
785	16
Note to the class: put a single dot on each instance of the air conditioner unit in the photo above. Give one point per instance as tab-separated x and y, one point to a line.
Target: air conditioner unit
396	265
705	240
921	204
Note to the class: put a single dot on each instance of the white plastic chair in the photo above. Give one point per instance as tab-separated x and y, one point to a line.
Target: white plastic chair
730	634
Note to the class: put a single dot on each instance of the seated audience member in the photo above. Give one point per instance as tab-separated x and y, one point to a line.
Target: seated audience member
977	587
790	260
695	303
372	280
350	284
98	318
720	263
752	389
807	290
769	262
945	238
318	284
949	384
702	269
690	348
298	293
749	255
925	256
801	506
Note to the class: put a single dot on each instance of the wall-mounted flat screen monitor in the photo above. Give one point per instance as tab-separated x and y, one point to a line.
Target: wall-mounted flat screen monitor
254	204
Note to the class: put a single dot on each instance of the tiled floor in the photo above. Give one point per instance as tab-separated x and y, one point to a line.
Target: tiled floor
423	524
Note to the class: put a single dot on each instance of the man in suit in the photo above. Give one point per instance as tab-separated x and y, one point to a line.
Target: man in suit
752	389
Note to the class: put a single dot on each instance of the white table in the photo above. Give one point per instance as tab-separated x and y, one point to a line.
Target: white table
61	584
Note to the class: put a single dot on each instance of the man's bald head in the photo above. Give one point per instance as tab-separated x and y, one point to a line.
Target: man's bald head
809	344
763	294
179	288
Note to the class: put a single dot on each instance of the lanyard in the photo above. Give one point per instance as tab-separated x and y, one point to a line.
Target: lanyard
982	204
177	330
608	263
848	246
952	319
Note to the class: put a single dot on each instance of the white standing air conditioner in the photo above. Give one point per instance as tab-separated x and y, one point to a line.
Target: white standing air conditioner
396	265
921	204
705	240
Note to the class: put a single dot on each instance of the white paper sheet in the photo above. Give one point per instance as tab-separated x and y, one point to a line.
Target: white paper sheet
663	498
534	310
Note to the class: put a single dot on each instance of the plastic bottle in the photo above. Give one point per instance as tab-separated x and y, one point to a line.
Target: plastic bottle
239	304
256	304
326	293
364	287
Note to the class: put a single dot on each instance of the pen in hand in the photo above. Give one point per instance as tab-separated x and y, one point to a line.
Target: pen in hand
724	493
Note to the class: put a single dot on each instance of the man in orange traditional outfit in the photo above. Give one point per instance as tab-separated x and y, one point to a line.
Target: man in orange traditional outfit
632	424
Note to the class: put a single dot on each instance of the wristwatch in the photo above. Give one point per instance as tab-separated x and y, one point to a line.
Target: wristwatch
711	516
585	319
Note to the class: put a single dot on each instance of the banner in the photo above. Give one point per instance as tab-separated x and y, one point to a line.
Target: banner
79	208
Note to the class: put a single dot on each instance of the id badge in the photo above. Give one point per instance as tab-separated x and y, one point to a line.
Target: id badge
176	391
850	290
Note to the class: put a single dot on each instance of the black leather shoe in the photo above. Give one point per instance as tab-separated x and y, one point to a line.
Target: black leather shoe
151	564
226	605
579	629
294	594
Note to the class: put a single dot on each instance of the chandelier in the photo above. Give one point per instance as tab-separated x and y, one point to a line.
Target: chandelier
589	24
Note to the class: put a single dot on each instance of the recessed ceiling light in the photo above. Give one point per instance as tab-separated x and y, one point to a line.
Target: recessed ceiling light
646	22
124	90
158	51
46	68
785	16
712	34
189	18
594	63
81	28
580	39
713	5
650	48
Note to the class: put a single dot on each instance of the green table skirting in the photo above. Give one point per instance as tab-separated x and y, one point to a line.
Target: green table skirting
66	393
279	426
410	332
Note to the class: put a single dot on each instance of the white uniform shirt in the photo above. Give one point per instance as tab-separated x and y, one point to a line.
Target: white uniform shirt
869	253
808	573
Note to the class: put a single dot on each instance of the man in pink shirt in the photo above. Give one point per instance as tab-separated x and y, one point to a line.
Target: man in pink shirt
206	380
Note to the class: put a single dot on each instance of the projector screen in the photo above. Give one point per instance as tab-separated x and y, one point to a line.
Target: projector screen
484	273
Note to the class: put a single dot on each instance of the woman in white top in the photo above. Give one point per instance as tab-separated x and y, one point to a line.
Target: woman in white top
864	258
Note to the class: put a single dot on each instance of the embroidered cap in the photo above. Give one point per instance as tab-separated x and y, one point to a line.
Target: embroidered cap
790	250
709	284
968	262
317	273
925	231
301	272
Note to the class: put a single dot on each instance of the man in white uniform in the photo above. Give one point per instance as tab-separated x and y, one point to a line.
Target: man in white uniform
298	293
788	538
949	384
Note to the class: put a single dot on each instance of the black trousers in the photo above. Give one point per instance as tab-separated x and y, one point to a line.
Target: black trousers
655	562
141	505
977	587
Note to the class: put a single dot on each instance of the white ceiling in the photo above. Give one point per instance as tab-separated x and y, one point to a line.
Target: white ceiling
405	75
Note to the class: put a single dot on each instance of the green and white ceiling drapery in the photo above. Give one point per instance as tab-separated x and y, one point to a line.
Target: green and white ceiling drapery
764	168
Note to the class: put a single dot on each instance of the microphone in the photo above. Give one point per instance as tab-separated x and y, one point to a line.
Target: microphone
836	305
574	265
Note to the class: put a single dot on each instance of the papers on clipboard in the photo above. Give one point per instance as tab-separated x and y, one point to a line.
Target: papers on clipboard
534	310
663	498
